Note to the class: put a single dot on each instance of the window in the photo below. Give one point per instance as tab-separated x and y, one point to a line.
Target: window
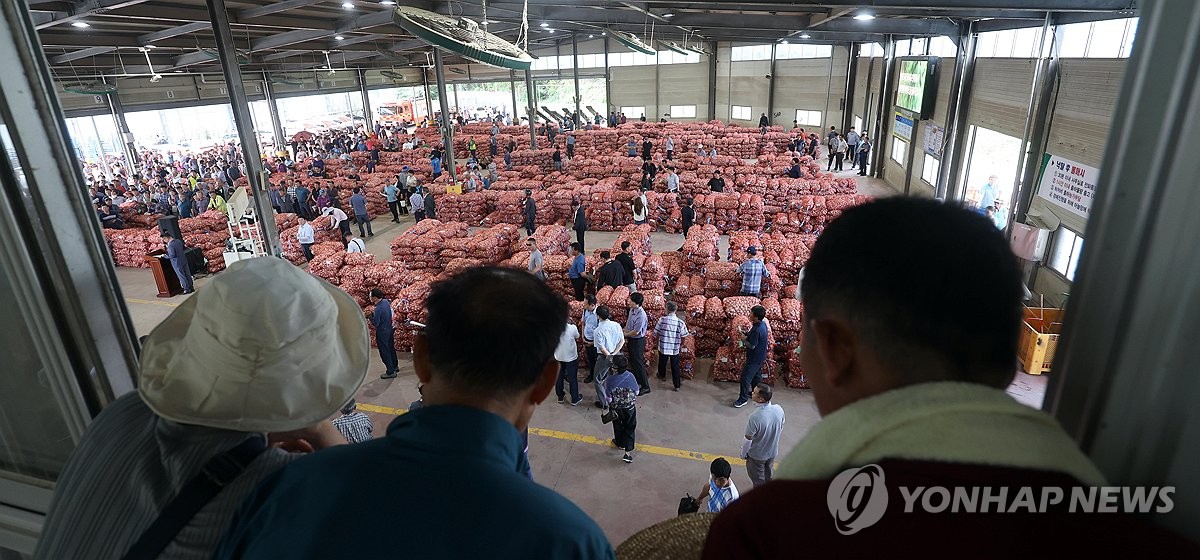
858	123
919	46
545	63
943	47
683	111
803	51
1105	42
1065	251
870	50
810	118
633	112
751	52
899	149
740	113
1099	39
929	169
672	57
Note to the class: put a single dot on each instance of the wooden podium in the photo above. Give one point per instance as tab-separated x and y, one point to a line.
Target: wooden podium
164	274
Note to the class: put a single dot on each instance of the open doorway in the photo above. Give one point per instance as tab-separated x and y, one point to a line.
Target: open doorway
991	166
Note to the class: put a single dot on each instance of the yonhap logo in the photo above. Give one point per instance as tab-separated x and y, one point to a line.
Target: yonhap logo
857	498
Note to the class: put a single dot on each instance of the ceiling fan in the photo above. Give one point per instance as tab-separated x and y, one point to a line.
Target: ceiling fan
462	36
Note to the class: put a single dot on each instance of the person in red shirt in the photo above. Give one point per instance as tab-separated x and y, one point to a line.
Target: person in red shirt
912	398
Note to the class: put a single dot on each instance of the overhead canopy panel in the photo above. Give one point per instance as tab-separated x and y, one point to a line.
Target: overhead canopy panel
462	36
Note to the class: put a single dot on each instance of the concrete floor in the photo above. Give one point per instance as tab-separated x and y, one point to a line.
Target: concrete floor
568	448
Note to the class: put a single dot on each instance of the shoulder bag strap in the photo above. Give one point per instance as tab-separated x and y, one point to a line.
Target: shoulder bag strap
216	474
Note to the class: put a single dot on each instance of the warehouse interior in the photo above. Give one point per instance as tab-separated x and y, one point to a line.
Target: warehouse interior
1015	98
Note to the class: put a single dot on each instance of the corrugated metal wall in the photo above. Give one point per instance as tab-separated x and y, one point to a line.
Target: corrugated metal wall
1000	94
1087	95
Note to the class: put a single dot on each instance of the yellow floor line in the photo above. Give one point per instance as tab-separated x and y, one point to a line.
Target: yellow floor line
152	302
568	436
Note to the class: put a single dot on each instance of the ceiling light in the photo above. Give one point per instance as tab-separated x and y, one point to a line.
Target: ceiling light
544	24
591	36
151	47
348	5
669	15
551	31
784	41
805	36
864	17
177	71
339	38
80	24
602	34
388	3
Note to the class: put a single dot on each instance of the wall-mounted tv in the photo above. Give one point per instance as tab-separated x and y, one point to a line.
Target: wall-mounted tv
916	91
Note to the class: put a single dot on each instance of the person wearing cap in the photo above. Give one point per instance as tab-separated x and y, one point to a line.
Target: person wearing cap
716	184
753	271
355	426
460	456
338	220
385	332
230	372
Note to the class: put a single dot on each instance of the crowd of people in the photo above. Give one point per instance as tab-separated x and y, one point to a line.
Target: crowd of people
266	456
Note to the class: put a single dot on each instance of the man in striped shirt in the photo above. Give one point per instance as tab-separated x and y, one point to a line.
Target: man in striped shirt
354	425
753	271
670	331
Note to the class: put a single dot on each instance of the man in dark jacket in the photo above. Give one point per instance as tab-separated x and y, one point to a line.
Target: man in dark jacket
530	212
646	148
176	252
716	184
763	121
611	273
627	265
430	209
385	332
688	214
578	222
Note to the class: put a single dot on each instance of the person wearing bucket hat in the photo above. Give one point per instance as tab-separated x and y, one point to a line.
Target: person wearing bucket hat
484	370
230	364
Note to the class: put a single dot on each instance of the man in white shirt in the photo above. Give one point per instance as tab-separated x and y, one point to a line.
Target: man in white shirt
418	205
338	220
609	340
306	236
672	180
356	245
670	147
762	436
567	355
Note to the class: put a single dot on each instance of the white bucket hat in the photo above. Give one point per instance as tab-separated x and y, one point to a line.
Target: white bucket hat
265	347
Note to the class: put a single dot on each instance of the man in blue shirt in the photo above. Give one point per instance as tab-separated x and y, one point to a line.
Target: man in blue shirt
358	201
458	459
575	273
392	193
753	271
755	342
436	163
385	332
590	322
635	334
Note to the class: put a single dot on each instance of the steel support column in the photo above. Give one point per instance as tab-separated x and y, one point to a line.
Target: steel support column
771	87
712	82
512	88
457	105
446	124
607	78
245	126
851	75
1038	123
368	117
127	143
575	73
883	116
273	109
956	115
531	108
428	98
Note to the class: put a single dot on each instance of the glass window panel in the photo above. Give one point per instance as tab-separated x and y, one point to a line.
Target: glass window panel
808	118
633	112
739	112
683	111
929	169
1127	44
1026	42
1075	40
1004	43
899	149
987	45
1106	39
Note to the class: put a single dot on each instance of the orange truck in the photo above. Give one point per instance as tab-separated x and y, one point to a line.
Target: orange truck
399	113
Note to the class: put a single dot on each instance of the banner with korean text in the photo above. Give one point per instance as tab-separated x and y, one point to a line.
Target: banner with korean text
1068	184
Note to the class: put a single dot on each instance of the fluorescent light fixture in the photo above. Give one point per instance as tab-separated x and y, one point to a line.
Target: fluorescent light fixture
603	33
177	71
348	5
544	24
805	36
80	24
591	36
551	31
388	3
151	47
784	42
864	16
669	15
339	38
